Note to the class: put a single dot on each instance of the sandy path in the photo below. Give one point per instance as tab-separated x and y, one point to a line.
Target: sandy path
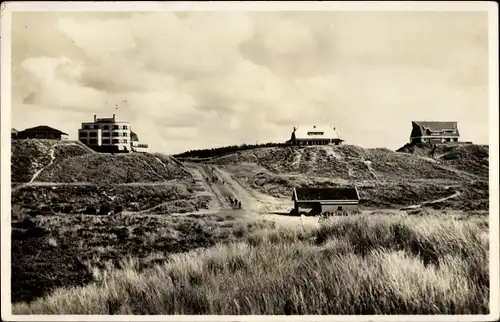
425	203
258	205
52	157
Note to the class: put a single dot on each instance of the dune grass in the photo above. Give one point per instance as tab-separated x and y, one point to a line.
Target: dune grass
350	265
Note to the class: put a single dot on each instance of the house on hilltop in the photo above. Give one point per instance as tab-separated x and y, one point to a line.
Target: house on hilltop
434	132
110	134
329	199
106	134
314	135
13	133
42	132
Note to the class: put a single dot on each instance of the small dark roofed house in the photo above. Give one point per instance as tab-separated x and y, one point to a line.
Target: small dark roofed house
434	132
330	199
42	132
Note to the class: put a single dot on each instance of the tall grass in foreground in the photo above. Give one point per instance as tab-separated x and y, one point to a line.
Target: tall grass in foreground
350	265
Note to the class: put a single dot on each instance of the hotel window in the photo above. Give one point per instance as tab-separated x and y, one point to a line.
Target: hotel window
93	141
96	126
116	141
116	134
93	134
84	141
106	127
116	127
106	134
83	134
125	141
124	134
125	127
86	127
105	141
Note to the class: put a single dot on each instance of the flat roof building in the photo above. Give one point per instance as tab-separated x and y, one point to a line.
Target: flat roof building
106	134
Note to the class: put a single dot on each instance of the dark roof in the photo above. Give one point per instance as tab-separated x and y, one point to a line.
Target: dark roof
13	130
44	128
334	193
436	126
133	137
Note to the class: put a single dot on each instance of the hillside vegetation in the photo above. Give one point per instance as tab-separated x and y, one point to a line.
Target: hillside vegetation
29	156
209	153
108	169
368	265
384	178
154	254
78	178
52	251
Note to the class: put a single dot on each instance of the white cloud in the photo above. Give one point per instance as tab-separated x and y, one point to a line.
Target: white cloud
207	79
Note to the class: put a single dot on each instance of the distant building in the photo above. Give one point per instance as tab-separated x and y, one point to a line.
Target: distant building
110	135
434	132
13	133
136	146
314	135
41	132
106	134
330	199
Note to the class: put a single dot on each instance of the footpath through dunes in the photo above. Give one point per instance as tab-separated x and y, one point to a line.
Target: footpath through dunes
62	233
30	156
385	178
64	176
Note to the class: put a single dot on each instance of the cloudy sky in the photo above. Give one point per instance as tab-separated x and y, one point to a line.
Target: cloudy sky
208	79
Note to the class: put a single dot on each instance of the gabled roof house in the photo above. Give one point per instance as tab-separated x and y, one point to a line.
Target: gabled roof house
434	132
314	135
326	199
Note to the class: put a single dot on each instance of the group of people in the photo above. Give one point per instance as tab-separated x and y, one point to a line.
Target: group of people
215	179
235	202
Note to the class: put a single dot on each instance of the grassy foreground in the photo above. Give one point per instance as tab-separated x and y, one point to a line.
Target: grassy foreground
374	264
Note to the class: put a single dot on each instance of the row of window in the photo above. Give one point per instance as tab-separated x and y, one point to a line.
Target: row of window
105	127
319	142
105	141
442	140
429	132
104	134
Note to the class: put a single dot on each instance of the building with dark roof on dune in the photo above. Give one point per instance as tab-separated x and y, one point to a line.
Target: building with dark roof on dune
42	132
434	132
328	199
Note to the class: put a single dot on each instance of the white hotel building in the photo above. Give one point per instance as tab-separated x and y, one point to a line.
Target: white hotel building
106	134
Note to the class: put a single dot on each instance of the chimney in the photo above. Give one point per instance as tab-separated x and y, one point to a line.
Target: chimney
95	118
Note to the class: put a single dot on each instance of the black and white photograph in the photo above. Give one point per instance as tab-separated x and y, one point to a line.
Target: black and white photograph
250	160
